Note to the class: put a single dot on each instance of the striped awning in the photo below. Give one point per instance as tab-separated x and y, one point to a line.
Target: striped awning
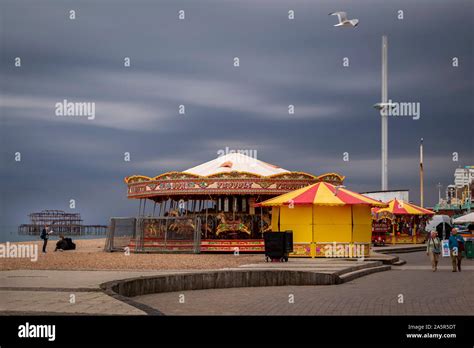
400	207
321	193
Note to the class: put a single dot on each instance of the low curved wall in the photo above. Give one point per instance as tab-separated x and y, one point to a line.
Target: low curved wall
216	280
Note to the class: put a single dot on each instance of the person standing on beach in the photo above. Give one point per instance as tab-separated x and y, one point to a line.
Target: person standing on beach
44	236
456	247
433	249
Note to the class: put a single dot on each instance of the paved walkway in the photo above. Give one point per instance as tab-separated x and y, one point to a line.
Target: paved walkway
69	279
54	302
420	291
63	292
412	289
78	292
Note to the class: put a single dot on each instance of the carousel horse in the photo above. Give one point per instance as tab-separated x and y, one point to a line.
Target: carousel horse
173	213
229	226
154	229
180	225
267	224
206	230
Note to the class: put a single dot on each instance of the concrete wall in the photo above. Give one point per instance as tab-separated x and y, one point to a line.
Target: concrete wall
215	280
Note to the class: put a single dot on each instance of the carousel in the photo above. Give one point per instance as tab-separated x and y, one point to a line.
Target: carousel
399	223
214	203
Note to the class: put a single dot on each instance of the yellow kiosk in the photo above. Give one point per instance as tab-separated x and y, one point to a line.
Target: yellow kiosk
326	220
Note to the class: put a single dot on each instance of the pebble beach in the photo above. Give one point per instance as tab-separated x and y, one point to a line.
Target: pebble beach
89	255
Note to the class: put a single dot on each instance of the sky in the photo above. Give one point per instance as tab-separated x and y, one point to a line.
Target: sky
190	62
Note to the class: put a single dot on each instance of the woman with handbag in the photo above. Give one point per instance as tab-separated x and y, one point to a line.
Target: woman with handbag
433	249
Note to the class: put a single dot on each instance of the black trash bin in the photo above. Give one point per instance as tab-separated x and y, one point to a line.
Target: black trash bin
278	245
289	241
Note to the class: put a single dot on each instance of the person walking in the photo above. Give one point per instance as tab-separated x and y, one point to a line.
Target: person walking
456	247
433	249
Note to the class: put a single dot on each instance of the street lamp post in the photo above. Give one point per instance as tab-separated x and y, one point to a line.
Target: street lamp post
421	174
468	183
384	114
384	107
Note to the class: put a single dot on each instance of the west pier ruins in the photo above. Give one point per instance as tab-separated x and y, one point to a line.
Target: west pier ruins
61	223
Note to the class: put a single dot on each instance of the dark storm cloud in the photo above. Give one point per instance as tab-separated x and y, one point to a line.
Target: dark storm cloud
190	62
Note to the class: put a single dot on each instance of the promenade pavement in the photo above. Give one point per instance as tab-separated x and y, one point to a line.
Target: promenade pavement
78	292
411	289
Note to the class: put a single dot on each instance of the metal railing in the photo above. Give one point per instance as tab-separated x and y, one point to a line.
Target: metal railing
155	234
168	234
121	231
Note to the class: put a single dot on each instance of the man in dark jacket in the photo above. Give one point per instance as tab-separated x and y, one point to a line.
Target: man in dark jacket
44	236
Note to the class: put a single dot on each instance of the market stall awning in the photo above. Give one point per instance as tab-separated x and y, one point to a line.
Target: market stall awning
322	193
464	219
400	207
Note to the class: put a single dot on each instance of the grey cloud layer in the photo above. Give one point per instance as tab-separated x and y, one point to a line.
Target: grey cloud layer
190	63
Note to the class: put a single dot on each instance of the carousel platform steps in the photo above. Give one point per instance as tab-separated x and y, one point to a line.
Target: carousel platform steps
386	259
347	277
314	265
343	269
400	262
304	272
403	248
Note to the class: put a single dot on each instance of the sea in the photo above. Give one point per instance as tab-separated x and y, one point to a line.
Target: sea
10	234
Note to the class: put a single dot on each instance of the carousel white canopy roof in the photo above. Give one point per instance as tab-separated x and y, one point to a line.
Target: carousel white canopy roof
236	162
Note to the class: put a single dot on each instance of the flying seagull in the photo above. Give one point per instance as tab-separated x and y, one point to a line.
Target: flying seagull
382	106
343	21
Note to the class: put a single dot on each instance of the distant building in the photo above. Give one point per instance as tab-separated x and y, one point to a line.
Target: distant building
464	176
451	194
459	196
388	195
